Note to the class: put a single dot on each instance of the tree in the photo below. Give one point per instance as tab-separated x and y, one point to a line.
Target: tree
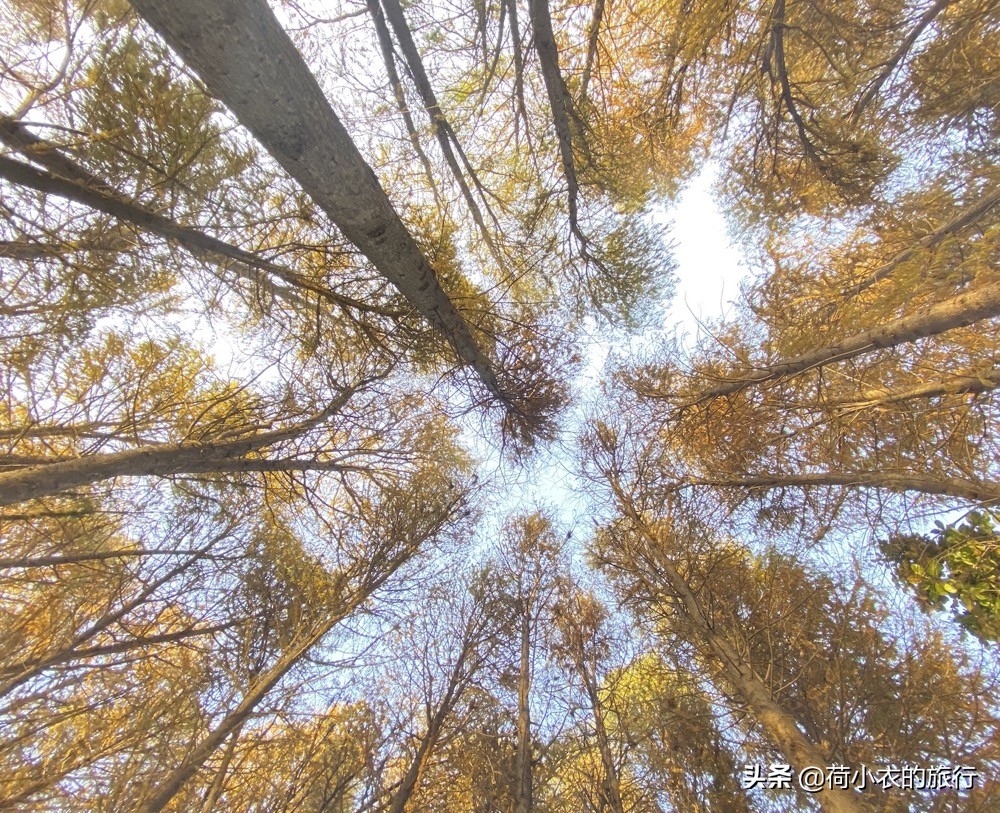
953	567
286	110
246	284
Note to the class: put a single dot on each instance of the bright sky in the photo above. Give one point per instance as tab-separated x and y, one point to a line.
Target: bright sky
709	266
709	270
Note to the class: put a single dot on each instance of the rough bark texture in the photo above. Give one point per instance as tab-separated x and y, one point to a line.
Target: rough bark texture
959	311
247	61
149	461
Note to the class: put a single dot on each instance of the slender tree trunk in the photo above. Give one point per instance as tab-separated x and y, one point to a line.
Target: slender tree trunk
523	798
985	493
389	60
219	783
893	62
247	61
161	460
957	224
958	311
203	246
413	775
593	36
611	778
442	127
560	104
957	385
259	689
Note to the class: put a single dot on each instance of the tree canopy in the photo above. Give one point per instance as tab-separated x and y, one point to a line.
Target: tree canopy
314	495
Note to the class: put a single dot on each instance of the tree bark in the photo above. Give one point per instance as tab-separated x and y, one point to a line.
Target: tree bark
611	778
893	62
377	572
959	311
247	61
98	195
957	224
160	461
443	130
958	385
259	689
593	37
523	801
389	60
559	104
983	493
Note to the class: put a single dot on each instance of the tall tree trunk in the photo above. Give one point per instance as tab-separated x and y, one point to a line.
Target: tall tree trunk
962	310
956	385
560	105
443	130
262	684
389	60
258	690
247	61
99	196
612	781
985	493
414	773
523	798
160	460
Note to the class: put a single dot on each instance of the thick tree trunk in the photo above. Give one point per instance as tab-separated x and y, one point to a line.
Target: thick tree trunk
166	459
247	61
148	461
959	311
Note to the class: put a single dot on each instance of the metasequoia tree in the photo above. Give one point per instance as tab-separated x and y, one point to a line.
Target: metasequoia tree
527	561
805	662
281	103
346	199
449	648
